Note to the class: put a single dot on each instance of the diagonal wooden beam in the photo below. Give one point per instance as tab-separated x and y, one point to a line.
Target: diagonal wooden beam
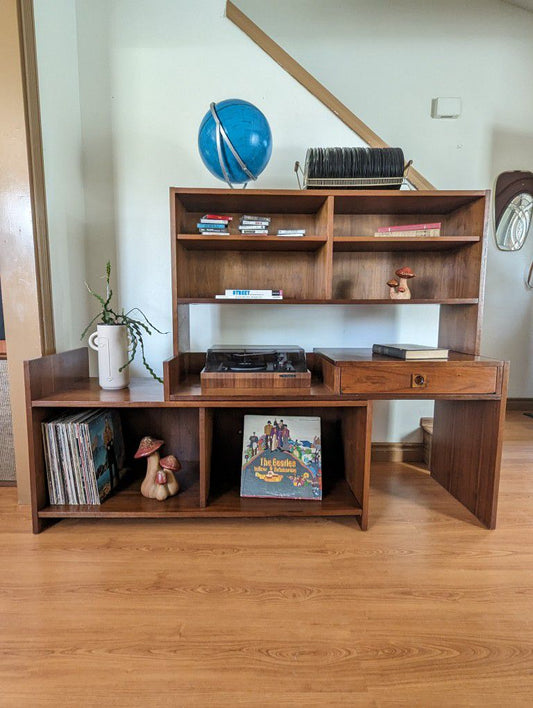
314	87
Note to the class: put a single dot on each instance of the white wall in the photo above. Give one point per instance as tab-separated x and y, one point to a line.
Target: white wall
386	61
147	73
57	58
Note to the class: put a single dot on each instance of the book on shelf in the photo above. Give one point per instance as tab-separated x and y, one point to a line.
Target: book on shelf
212	225
249	297
216	217
254	218
410	230
252	230
291	232
84	456
217	222
219	232
410	351
423	233
265	293
281	457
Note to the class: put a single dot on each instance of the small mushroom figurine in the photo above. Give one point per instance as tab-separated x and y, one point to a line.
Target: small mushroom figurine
158	483
165	478
400	290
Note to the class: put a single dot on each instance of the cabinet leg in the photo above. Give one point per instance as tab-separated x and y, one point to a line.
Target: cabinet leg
466	453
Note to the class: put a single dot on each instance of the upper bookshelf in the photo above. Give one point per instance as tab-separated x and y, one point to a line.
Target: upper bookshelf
339	260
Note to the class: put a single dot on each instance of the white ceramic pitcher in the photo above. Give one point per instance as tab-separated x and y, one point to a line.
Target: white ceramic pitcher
111	343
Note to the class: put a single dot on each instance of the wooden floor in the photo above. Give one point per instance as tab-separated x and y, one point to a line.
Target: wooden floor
425	609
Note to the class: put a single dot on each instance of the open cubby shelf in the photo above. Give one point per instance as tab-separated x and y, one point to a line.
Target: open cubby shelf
338	262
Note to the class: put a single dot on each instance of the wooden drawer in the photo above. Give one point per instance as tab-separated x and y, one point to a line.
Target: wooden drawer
418	377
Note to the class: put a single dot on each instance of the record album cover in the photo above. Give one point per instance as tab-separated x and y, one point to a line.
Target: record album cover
281	457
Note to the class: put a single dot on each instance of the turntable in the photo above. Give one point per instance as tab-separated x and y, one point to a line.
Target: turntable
252	370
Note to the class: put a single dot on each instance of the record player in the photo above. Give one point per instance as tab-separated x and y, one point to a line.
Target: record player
251	370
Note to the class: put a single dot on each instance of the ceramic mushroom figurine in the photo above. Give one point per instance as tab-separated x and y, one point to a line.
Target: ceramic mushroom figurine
400	290
149	448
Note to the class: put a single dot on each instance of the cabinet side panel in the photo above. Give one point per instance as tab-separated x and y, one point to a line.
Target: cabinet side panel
324	269
206	446
460	328
466	453
55	373
357	428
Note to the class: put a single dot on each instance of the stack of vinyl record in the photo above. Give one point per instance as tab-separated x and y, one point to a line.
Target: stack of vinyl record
354	168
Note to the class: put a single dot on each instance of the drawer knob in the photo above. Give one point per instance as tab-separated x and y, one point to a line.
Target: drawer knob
418	380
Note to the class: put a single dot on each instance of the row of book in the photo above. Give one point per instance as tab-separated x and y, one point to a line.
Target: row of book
84	455
249	224
410	230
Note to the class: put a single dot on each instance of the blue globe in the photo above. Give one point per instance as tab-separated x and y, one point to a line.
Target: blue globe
249	133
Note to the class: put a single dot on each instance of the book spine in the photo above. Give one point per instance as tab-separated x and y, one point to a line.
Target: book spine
217	217
410	227
214	233
426	233
266	293
388	351
291	232
249	297
56	464
72	494
213	225
253	217
50	476
217	222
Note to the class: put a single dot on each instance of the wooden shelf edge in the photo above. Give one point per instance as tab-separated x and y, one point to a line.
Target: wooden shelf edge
339	501
291	301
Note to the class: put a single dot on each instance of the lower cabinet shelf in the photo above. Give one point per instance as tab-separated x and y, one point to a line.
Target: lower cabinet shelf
208	441
129	503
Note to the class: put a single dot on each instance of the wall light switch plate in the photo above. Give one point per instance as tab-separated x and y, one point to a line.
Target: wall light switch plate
446	108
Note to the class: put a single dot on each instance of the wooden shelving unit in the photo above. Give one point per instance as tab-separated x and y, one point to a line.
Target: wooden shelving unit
338	262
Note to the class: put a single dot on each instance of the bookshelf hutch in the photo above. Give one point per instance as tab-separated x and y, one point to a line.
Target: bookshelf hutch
338	261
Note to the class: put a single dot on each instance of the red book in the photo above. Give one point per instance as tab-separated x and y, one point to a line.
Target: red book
222	217
409	227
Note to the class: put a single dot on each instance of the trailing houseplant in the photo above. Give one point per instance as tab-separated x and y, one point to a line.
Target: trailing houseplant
136	330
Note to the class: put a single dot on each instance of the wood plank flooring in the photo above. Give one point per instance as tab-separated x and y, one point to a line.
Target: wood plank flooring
427	608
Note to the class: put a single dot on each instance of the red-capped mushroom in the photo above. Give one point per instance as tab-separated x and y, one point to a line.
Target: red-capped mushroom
405	272
171	464
147	446
393	284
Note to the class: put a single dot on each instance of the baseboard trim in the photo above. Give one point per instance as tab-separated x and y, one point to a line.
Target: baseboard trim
520	404
397	452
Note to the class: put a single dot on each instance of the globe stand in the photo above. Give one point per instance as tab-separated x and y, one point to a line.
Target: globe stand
222	135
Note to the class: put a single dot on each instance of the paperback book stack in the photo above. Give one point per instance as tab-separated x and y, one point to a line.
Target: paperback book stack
410	230
251	224
214	224
84	454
